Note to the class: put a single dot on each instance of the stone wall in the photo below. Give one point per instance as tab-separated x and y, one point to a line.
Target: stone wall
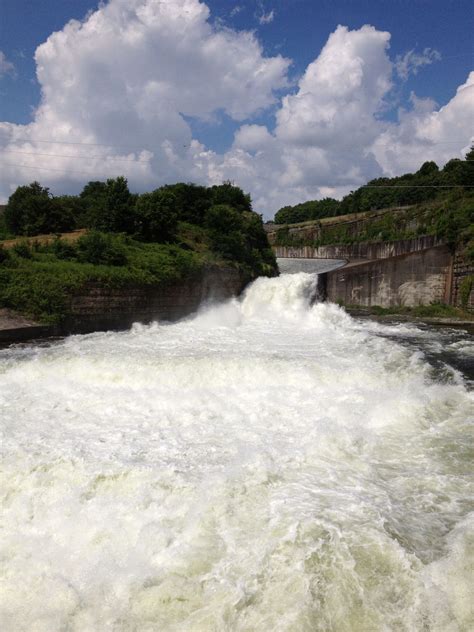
463	271
417	278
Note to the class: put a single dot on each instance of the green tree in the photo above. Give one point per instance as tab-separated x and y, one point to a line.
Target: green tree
31	210
119	206
192	201
93	198
229	194
156	216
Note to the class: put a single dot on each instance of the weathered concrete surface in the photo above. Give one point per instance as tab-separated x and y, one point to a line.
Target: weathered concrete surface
119	308
10	319
98	308
362	250
462	270
417	278
312	266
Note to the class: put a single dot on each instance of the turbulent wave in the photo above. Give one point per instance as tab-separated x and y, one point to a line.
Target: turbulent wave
270	464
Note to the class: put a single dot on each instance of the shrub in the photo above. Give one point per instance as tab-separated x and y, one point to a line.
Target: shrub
465	289
64	250
102	249
22	249
4	255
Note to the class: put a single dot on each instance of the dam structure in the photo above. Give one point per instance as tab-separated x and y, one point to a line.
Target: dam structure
403	273
268	463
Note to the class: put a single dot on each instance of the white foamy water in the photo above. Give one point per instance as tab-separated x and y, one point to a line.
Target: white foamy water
267	465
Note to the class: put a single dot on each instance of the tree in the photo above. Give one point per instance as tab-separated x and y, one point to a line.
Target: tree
31	210
227	193
192	201
119	206
93	198
428	168
225	226
156	217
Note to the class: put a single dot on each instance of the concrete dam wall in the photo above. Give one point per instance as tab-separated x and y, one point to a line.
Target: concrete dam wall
417	278
407	272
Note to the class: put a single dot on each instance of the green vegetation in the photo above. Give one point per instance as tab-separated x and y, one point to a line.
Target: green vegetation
429	202
314	209
412	188
150	239
465	290
436	310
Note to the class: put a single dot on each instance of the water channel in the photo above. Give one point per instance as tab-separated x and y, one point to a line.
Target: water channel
268	464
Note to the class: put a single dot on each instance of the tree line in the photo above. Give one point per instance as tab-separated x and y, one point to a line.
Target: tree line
233	230
428	183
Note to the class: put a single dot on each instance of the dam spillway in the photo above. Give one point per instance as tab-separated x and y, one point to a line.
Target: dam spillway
292	265
268	464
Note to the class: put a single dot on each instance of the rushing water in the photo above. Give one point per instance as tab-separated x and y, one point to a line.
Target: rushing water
267	465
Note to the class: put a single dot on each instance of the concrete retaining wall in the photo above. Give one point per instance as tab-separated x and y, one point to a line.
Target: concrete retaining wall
98	308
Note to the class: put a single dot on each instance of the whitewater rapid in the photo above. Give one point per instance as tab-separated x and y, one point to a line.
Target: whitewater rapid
270	464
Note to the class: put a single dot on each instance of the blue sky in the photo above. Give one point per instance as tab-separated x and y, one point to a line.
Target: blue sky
436	35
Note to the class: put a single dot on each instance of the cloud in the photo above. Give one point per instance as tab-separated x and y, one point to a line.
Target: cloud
329	137
118	88
6	66
266	18
411	62
122	81
426	132
236	10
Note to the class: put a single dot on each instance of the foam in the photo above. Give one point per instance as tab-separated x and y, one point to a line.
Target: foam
267	464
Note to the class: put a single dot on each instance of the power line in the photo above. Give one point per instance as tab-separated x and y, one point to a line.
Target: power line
34	153
365	186
67	171
415	186
64	142
136	148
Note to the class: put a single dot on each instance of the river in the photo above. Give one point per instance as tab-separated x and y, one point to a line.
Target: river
270	464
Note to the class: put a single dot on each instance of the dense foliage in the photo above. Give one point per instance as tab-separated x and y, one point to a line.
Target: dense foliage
152	238
314	209
38	280
427	184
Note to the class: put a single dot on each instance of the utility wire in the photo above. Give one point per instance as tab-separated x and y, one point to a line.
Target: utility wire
67	171
136	148
365	186
34	153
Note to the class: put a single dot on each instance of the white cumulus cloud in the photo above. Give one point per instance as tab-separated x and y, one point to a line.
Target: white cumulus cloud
122	80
